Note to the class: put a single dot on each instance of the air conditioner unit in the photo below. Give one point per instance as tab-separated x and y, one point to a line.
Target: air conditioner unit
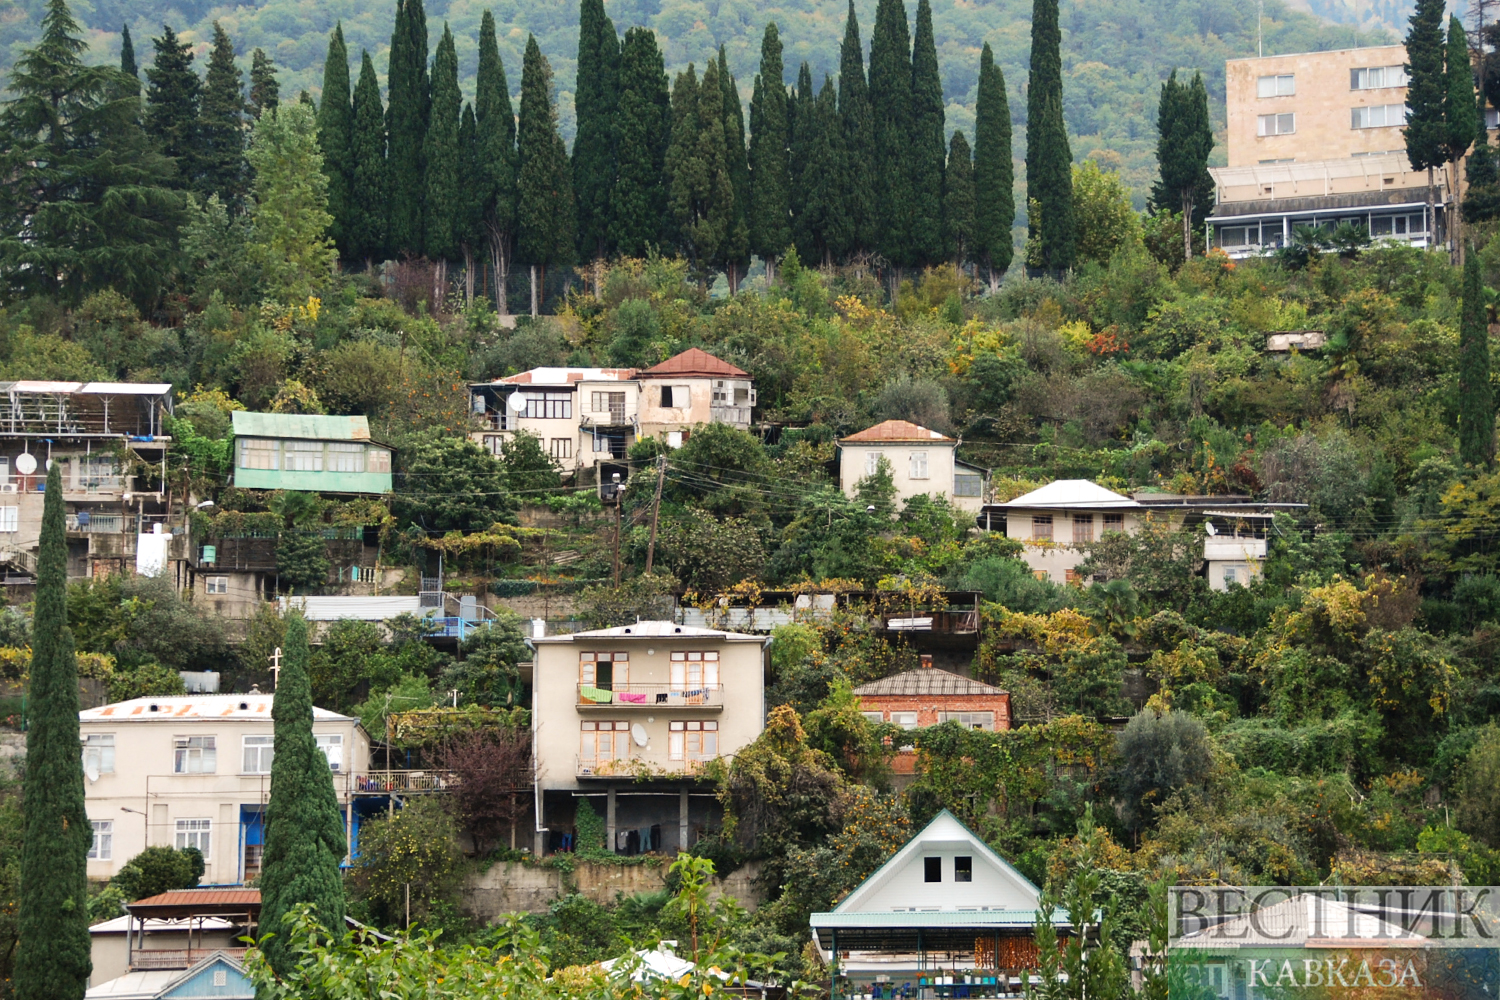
7	487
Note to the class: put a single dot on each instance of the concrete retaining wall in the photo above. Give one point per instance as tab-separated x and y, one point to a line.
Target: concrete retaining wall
514	887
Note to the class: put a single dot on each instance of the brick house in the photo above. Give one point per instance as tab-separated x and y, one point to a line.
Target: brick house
926	697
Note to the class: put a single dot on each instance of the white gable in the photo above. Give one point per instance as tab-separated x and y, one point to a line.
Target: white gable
1072	493
901	883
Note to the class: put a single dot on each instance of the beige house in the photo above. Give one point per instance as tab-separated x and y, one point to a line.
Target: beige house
1315	138
690	389
195	771
921	461
1058	521
628	717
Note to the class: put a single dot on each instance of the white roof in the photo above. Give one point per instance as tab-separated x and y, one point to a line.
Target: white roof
195	707
158	925
135	985
655	630
1072	493
658	964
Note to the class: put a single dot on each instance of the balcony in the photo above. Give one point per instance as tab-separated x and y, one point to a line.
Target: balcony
403	782
1231	549
705	697
642	766
177	958
730	414
614	417
89	523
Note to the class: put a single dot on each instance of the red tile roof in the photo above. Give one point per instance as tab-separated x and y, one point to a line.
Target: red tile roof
197	902
696	361
896	430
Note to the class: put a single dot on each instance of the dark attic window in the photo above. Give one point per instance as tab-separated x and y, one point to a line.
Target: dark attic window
934	869
963	869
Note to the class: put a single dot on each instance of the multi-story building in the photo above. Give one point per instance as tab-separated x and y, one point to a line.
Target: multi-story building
195	771
1315	138
916	699
309	452
921	461
693	388
629	717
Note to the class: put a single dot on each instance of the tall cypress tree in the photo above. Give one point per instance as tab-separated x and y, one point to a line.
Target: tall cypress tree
365	231
1426	129
127	58
1476	405
1460	112
596	100
1049	158
1184	139
681	164
221	126
304	832
858	127
823	225
265	92
803	125
700	192
890	107
495	125
468	226
172	99
1482	199
994	173
441	155
335	138
770	183
52	959
736	249
544	185
958	201
408	103
643	130
926	148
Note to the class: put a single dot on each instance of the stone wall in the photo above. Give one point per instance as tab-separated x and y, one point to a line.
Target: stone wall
515	887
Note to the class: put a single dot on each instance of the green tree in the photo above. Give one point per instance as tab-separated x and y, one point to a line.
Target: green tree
770	179
643	130
172	104
157	870
1184	139
495	141
891	110
53	954
994	173
365	231
265	92
958	200
858	128
407	108
452	484
304	831
488	674
1049	159
1089	963
1460	109
1477	809
1157	755
1101	206
1482	199
544	185
468	225
335	139
1476	405
1426	129
925	147
127	56
801	126
221	126
596	101
441	156
289	241
822	225
416	848
734	255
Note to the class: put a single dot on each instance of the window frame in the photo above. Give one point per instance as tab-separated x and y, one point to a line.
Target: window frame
269	450
588	668
918	466
1039	522
968	484
87	748
216	586
932	869
1083	529
682	744
10	519
1360	117
377	460
265	752
681	673
345	457
1277	81
559	449
1113	522
303	456
183	748
547	406
187	833
102	846
968	718
963	868
1269	126
619	739
326	741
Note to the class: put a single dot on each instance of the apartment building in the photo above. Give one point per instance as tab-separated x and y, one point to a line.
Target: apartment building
195	771
1315	138
921	461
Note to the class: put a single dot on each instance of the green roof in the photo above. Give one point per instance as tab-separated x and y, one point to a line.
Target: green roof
308	426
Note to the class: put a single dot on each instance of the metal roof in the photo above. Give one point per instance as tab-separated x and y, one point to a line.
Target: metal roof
195	707
695	361
563	376
655	630
122	925
894	430
1072	493
966	919
927	681
197	903
308	426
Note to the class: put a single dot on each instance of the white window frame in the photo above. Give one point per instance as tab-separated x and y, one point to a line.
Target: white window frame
216	585
194	833
344	456
100	748
1276	85
970	720
876	718
917	465
332	747
10	519
194	755
1377	77
265	451
872	462
968	484
102	847
377	460
303	456
1284	123
1377	116
257	752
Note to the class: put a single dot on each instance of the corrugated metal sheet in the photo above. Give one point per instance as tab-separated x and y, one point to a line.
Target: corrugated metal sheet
695	361
931	918
927	681
896	430
308	426
369	609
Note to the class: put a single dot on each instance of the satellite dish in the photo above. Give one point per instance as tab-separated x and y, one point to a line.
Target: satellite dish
1208	526
516	401
25	463
638	733
92	771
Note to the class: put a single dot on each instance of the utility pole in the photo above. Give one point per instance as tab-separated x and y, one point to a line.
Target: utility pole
617	528
661	474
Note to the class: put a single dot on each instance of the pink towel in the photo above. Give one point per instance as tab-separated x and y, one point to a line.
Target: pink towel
638	699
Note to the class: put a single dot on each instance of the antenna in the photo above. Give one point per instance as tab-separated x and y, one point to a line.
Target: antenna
1260	41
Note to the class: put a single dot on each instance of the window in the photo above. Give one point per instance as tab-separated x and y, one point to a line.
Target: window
1114	522
1083	529
99	753
1282	85
332	745
216	585
1395	225
963	869
1378	116
99	472
304	456
603	740
676	397
194	755
906	720
1377	77
5	460
1041	527
346	457
194	833
918	465
872	462
1235	236
603	670
967	484
10	519
103	845
970	720
221	977
612	403
694	672
259	751
377	460
548	405
742	395
933	868
1283	124
721	397
560	447
878	718
693	740
1231	574
258	453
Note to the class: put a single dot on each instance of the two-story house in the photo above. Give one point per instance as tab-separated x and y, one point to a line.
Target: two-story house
313	453
628	717
195	771
916	699
921	461
693	388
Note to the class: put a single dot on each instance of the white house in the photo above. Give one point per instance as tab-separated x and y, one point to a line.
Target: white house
921	461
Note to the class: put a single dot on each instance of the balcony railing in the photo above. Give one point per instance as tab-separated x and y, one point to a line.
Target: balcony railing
1232	548
641	766
406	782
106	524
177	958
729	414
710	696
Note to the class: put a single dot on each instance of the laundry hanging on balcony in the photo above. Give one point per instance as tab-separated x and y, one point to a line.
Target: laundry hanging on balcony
598	695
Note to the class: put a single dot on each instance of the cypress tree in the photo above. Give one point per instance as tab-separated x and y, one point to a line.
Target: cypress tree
495	125
1476	406
736	249
407	109
544	203
596	101
441	156
221	126
1184	139
172	99
468	227
958	201
861	230
643	131
52	958
1426	92
803	126
265	92
335	138
681	159
770	184
1049	159
304	832
1460	112
925	147
127	60
1482	199
701	194
822	222
365	232
994	173
890	107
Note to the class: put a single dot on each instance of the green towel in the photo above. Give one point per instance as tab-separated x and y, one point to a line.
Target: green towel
597	695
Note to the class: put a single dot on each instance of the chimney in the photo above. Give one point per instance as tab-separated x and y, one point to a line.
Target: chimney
926	661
